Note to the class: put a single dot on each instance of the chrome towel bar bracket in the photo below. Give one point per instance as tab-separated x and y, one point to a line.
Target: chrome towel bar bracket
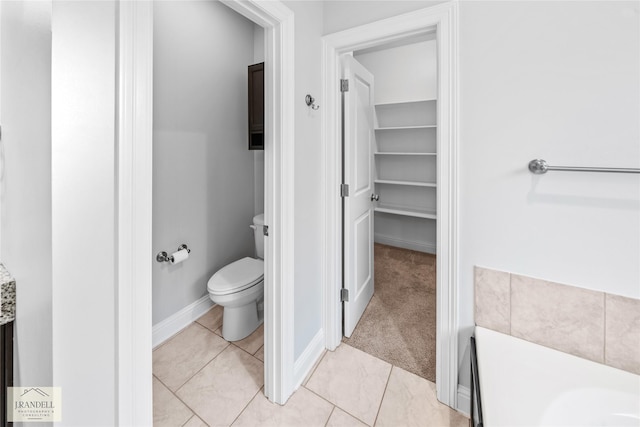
539	167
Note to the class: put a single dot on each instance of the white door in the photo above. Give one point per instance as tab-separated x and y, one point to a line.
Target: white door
358	174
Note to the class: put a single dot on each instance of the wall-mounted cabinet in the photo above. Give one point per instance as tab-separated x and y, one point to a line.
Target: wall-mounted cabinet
406	174
256	106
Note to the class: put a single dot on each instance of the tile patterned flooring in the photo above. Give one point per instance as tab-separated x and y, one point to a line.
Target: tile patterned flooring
199	379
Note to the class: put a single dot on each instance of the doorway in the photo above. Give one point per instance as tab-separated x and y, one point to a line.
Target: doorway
398	126
206	191
441	19
207	184
134	202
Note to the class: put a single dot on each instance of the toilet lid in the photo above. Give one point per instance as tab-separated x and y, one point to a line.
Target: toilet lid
238	275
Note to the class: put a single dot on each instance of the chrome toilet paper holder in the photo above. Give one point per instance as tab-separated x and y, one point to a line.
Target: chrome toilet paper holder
165	257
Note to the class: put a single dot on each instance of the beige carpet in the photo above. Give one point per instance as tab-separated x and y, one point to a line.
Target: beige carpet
399	324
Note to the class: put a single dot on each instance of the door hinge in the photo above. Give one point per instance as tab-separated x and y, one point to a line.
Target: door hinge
344	295
344	85
344	190
265	230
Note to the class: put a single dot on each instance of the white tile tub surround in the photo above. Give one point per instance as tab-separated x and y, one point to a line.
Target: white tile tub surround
594	325
622	333
557	316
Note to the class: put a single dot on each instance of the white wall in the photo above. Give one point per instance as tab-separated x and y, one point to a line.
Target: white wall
342	14
557	80
403	73
25	192
83	210
203	172
308	170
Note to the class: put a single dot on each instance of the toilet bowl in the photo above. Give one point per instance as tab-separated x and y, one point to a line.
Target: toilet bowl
239	288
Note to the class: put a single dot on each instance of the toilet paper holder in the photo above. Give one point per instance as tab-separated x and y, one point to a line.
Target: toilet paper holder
165	257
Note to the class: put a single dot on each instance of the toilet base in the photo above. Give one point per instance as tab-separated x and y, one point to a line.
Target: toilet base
240	322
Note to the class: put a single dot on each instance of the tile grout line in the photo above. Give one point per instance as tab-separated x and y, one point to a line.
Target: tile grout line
240	348
383	394
332	411
321	397
315	368
208	328
171	338
247	405
193	412
195	322
207	312
334	405
604	330
196	416
510	302
256	352
192	409
190	418
204	366
172	392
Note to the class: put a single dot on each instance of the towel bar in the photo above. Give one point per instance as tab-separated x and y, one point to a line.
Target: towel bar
539	166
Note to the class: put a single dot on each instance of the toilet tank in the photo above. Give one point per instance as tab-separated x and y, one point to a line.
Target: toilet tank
258	233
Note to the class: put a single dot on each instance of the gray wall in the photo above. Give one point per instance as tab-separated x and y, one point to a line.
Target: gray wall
25	194
203	173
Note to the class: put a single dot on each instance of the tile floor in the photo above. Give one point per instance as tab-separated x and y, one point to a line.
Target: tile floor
199	379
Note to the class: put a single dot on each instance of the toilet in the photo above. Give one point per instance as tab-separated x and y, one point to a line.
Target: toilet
239	288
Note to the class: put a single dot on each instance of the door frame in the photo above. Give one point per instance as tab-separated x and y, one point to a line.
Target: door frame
134	202
442	18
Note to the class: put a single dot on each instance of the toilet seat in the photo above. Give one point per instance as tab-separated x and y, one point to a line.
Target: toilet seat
237	276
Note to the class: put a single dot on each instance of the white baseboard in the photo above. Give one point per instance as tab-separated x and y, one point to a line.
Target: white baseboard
428	247
464	400
177	322
308	359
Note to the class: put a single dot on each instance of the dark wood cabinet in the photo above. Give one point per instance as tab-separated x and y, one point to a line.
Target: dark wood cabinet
256	106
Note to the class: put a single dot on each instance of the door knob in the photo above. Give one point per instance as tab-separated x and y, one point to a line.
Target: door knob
375	197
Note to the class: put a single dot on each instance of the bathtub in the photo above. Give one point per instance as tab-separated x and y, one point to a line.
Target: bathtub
525	384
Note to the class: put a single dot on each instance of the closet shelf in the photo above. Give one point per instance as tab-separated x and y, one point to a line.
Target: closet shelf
405	127
391	104
405	211
402	153
408	183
